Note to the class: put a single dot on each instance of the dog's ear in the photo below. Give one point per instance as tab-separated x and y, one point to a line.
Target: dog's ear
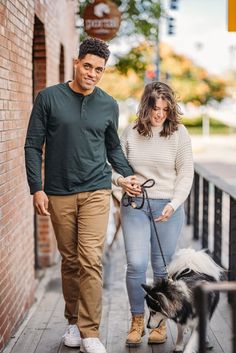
163	302
146	288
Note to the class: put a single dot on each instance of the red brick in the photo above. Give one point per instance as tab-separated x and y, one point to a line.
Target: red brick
16	211
4	94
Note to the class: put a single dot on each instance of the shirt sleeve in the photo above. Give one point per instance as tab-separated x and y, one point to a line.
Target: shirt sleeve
34	144
184	169
115	154
123	143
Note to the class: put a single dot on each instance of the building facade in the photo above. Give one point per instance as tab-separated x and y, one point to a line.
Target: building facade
38	41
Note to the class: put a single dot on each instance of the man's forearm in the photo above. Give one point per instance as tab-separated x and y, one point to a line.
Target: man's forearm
33	161
118	161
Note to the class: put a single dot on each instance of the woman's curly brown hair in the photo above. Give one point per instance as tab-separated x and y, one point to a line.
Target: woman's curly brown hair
152	92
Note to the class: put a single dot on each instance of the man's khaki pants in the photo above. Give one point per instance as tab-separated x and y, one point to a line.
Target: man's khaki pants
80	223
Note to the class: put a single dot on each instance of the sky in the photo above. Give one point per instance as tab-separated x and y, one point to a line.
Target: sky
201	34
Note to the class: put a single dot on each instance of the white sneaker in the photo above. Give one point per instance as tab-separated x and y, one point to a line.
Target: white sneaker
72	336
92	345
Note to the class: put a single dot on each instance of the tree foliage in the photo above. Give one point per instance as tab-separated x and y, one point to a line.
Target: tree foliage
231	76
138	17
137	59
121	86
192	83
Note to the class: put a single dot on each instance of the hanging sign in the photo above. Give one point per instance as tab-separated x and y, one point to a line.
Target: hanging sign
101	19
231	16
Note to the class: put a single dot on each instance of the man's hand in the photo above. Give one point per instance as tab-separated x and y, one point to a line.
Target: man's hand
130	185
166	214
40	201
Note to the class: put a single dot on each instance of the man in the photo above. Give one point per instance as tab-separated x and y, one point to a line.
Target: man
77	121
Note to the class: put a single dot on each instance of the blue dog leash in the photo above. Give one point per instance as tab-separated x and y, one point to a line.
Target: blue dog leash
129	201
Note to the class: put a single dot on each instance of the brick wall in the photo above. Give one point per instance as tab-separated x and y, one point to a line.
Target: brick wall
18	22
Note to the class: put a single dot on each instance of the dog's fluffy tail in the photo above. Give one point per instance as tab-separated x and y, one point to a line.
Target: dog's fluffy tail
198	261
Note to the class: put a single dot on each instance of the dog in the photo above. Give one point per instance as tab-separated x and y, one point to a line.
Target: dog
173	298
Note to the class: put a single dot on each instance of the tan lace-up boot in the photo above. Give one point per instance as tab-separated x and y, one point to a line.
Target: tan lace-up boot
136	331
158	335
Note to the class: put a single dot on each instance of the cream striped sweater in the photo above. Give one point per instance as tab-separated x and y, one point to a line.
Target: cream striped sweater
167	160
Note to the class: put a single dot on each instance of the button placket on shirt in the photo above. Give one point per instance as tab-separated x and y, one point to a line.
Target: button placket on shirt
83	108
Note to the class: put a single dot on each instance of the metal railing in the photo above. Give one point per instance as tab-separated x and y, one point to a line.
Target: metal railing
201	298
199	209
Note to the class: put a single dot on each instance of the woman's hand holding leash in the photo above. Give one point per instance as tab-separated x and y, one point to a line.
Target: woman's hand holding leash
166	214
128	201
130	185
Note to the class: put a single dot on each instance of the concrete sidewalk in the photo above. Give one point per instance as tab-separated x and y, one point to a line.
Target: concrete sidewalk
214	147
217	154
42	330
44	326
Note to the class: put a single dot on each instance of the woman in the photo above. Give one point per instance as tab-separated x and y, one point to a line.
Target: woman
157	147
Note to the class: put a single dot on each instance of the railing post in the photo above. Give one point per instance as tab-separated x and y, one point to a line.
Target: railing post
218	226
188	210
233	296
196	207
201	294
232	242
205	214
201	305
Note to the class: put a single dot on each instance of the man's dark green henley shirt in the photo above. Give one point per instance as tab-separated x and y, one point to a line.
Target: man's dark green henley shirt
80	136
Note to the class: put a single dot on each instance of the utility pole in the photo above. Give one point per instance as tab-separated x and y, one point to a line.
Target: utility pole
171	30
158	58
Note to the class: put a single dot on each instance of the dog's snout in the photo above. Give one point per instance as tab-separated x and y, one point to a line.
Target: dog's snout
148	323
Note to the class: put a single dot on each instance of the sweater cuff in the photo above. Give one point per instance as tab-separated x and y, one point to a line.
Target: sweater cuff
175	204
35	187
115	179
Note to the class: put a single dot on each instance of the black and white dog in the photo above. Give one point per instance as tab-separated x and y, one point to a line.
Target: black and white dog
173	298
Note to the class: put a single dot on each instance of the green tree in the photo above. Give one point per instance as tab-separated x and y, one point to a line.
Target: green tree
192	83
122	86
140	20
137	59
138	17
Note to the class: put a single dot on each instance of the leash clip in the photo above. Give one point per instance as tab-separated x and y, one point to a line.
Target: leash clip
133	204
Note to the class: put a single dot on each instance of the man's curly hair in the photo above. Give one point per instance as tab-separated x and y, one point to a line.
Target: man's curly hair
94	46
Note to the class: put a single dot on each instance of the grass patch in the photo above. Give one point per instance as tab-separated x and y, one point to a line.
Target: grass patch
194	126
213	130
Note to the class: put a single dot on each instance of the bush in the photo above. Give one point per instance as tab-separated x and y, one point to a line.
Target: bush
192	122
194	126
197	122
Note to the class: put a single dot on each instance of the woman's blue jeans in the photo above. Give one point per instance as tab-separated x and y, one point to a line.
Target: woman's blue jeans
139	235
